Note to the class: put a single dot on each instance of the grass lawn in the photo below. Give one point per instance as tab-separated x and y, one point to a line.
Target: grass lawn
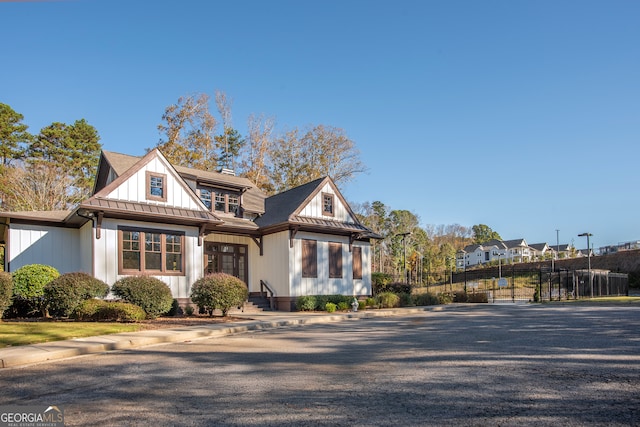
617	300
25	333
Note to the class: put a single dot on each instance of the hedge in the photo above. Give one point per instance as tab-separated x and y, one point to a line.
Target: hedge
219	291
65	293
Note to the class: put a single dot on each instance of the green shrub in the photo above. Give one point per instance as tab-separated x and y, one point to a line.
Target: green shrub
306	303
330	307
460	296
28	287
426	299
149	293
362	305
29	281
100	310
370	302
6	291
188	310
65	293
478	297
219	291
343	305
388	300
406	300
445	298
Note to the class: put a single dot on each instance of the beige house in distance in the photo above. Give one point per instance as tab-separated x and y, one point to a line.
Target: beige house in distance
148	217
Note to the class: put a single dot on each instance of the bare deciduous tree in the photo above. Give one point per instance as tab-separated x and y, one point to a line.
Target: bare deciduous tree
189	133
39	187
254	161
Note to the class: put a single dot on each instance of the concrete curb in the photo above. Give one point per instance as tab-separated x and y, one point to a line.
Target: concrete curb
12	357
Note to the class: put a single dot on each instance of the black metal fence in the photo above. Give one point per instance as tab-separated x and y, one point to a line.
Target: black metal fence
513	284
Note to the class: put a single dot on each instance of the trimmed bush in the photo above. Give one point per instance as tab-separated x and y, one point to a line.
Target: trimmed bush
460	296
362	305
426	299
343	305
330	307
149	293
100	310
219	291
388	300
445	298
65	293
6	291
478	297
28	288
406	300
29	281
306	303
370	302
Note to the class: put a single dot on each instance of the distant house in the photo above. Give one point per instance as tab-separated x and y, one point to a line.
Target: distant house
506	251
146	216
541	251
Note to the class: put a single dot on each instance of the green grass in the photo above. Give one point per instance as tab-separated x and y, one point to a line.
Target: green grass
25	333
617	300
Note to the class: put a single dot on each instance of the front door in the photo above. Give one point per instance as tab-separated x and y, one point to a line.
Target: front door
226	258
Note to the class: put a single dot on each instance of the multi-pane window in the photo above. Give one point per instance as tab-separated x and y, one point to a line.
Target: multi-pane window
156	186
150	251
357	262
335	260
205	196
234	204
327	204
220	202
309	258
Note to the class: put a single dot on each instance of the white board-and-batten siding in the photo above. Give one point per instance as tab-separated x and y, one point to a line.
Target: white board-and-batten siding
134	189
323	284
314	208
107	254
58	247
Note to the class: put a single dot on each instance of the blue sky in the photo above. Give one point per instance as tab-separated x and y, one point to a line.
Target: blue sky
523	115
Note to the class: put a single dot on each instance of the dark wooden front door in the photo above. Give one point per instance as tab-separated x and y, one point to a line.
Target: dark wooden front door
226	258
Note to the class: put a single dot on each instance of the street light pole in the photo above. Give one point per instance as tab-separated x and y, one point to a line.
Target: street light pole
587	235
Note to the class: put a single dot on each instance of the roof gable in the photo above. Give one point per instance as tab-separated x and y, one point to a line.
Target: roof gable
131	184
302	206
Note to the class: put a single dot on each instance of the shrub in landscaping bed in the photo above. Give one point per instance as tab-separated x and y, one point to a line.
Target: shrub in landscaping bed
149	293
445	298
343	305
388	300
406	300
219	291
478	297
330	307
6	291
100	310
306	303
426	299
28	287
460	296
65	293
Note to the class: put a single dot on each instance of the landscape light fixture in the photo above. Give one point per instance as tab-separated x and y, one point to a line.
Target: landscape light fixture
587	235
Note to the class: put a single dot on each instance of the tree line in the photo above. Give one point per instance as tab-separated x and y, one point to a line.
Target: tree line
409	252
54	170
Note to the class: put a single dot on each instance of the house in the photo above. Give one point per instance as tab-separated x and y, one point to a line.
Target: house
541	251
505	251
146	216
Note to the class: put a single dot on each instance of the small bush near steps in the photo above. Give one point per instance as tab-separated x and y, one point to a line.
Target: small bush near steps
219	291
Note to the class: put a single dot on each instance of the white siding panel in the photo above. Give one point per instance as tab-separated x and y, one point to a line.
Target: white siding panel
274	266
54	246
134	189
314	208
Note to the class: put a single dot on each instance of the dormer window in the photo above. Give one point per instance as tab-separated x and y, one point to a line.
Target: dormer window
220	201
156	187
327	204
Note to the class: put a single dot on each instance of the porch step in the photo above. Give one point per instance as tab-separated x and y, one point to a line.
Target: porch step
260	301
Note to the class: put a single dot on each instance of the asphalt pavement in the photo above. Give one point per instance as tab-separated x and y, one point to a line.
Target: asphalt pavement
11	357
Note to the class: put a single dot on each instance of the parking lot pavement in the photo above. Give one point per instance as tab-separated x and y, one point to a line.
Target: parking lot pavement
56	350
